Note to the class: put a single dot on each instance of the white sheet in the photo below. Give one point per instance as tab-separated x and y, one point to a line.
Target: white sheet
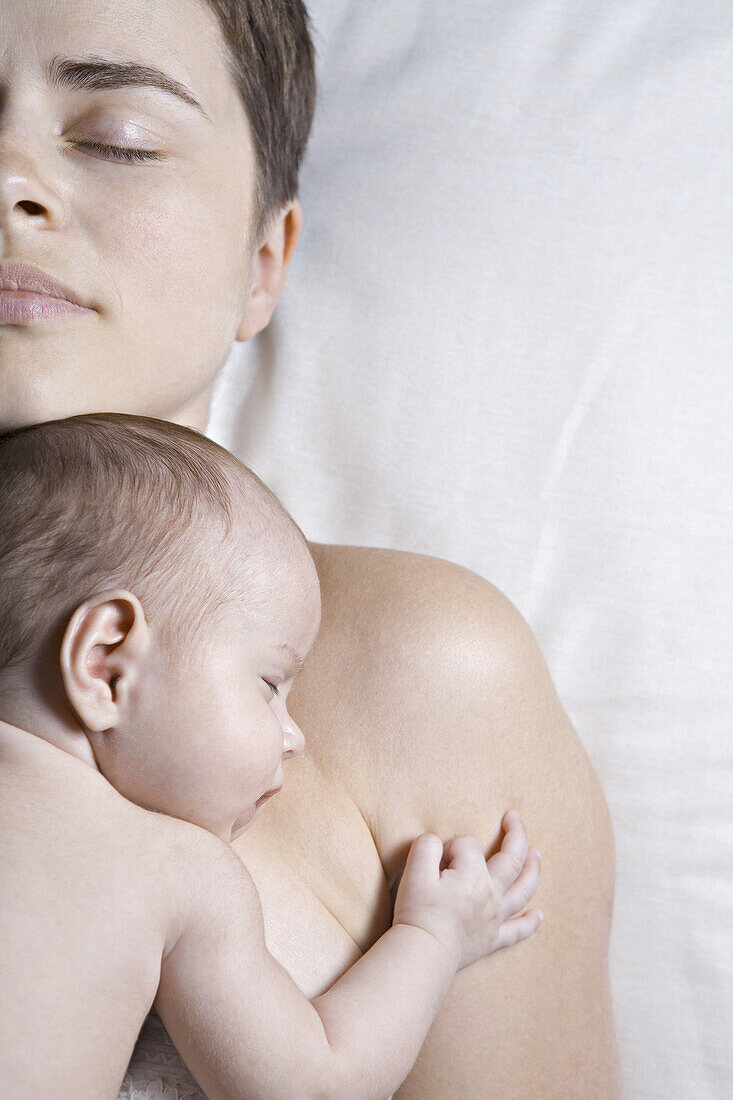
506	341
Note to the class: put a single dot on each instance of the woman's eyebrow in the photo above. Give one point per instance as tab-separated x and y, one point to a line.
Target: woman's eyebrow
99	73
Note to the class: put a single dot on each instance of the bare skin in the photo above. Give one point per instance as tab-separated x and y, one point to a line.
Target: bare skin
112	906
432	704
425	703
119	893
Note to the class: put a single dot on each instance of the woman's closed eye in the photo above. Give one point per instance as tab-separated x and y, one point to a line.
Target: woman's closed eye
273	687
118	152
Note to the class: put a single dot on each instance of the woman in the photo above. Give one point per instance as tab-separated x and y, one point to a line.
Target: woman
163	203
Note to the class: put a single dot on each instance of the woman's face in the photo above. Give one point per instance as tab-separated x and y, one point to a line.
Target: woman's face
157	248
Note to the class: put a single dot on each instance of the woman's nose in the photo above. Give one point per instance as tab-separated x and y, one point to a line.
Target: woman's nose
28	195
293	739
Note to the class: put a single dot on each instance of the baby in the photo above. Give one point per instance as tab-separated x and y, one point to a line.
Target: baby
157	603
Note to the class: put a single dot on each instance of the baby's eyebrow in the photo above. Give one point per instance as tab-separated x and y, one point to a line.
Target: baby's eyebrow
100	73
295	659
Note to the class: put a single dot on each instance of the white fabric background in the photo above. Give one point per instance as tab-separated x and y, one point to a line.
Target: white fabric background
506	341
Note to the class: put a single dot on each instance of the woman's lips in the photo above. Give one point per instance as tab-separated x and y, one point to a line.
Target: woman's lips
23	307
29	294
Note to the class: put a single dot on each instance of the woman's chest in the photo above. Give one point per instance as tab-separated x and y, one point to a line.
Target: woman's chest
324	901
320	879
302	934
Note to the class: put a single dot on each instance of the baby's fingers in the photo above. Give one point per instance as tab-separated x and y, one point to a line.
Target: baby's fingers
520	928
525	887
505	867
423	858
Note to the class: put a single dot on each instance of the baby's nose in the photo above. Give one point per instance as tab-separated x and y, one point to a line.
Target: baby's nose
293	739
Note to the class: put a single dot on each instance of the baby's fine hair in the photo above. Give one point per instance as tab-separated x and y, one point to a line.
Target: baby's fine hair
107	500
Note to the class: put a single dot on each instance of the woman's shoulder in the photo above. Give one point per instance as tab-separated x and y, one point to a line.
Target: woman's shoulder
427	696
423	666
403	598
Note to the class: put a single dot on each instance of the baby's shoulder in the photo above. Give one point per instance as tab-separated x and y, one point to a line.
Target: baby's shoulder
72	842
91	887
63	823
205	881
170	865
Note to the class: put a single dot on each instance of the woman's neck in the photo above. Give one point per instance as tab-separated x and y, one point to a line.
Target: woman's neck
195	414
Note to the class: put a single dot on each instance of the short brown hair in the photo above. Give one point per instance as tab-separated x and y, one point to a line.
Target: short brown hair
271	59
107	500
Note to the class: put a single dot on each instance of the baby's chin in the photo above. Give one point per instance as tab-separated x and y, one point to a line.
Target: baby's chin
246	818
242	822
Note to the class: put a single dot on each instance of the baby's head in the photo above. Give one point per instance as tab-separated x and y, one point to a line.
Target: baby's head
157	602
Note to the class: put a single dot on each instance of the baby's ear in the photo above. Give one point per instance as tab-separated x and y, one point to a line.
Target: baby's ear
104	645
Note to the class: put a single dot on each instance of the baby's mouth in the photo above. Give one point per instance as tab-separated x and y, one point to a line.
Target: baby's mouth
268	794
245	818
241	823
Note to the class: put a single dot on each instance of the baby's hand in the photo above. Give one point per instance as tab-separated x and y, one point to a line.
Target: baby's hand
467	904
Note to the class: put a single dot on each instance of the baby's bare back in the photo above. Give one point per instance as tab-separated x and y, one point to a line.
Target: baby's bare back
83	922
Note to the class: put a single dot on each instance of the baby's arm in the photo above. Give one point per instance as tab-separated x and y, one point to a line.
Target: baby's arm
246	1030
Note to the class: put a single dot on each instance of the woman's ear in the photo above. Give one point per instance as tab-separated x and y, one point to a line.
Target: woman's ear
102	651
270	268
